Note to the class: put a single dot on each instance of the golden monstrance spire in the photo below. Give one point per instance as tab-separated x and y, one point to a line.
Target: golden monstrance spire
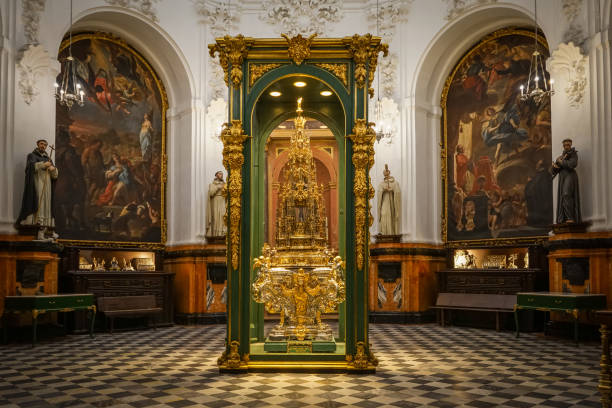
301	218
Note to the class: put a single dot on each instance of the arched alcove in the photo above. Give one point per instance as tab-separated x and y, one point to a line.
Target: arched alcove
182	134
425	126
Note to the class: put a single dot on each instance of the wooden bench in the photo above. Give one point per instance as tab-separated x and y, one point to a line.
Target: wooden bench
128	306
480	302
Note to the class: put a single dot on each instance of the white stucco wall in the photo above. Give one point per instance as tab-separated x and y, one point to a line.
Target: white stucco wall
426	44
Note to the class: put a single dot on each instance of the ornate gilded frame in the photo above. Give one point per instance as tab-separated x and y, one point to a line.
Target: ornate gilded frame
164	174
489	242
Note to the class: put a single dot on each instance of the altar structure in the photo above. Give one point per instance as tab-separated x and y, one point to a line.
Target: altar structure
297	276
300	278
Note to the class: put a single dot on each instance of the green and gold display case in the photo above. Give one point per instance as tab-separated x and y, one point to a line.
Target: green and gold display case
254	67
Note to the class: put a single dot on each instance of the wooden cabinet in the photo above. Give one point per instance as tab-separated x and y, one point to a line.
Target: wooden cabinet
494	281
124	283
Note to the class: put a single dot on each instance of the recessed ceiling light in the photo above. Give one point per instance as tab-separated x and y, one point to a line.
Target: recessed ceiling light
282	127
322	127
275	93
326	93
299	84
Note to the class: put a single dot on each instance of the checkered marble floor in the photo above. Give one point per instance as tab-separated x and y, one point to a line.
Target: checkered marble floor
420	366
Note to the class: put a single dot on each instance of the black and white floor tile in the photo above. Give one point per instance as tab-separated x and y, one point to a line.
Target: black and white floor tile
420	366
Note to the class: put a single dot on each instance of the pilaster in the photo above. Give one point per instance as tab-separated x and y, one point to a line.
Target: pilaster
600	78
7	113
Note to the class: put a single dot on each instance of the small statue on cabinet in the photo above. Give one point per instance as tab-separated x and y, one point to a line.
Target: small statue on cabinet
568	195
127	266
464	260
215	212
114	265
98	266
526	259
37	202
511	262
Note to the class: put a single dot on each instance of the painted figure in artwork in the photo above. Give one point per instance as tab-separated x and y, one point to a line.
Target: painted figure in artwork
37	202
117	179
118	139
146	136
215	224
93	166
389	205
503	130
568	195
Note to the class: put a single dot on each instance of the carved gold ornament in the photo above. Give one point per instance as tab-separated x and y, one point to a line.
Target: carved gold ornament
233	138
257	70
232	359
232	51
363	358
299	47
339	70
363	159
365	55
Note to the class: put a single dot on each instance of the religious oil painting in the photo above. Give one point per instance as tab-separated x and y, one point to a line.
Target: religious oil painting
497	145
111	150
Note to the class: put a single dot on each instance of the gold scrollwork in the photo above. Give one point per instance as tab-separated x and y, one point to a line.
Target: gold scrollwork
232	359
233	138
257	70
363	358
365	52
363	159
232	51
299	47
339	70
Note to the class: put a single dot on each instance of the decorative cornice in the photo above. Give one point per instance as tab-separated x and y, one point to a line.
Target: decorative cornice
340	71
30	16
257	70
568	58
301	16
143	6
232	51
33	62
365	52
299	47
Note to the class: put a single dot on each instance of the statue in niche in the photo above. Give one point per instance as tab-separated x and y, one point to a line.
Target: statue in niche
215	223
37	202
389	205
568	196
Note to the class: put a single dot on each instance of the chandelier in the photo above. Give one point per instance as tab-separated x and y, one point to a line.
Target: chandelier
69	91
382	130
532	90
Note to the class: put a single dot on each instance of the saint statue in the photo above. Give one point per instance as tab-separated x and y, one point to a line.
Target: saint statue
215	224
568	196
37	203
389	205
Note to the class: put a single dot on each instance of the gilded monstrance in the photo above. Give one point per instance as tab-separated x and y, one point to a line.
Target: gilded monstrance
300	278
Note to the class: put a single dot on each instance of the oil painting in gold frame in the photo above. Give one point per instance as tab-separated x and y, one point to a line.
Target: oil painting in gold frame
111	152
496	147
